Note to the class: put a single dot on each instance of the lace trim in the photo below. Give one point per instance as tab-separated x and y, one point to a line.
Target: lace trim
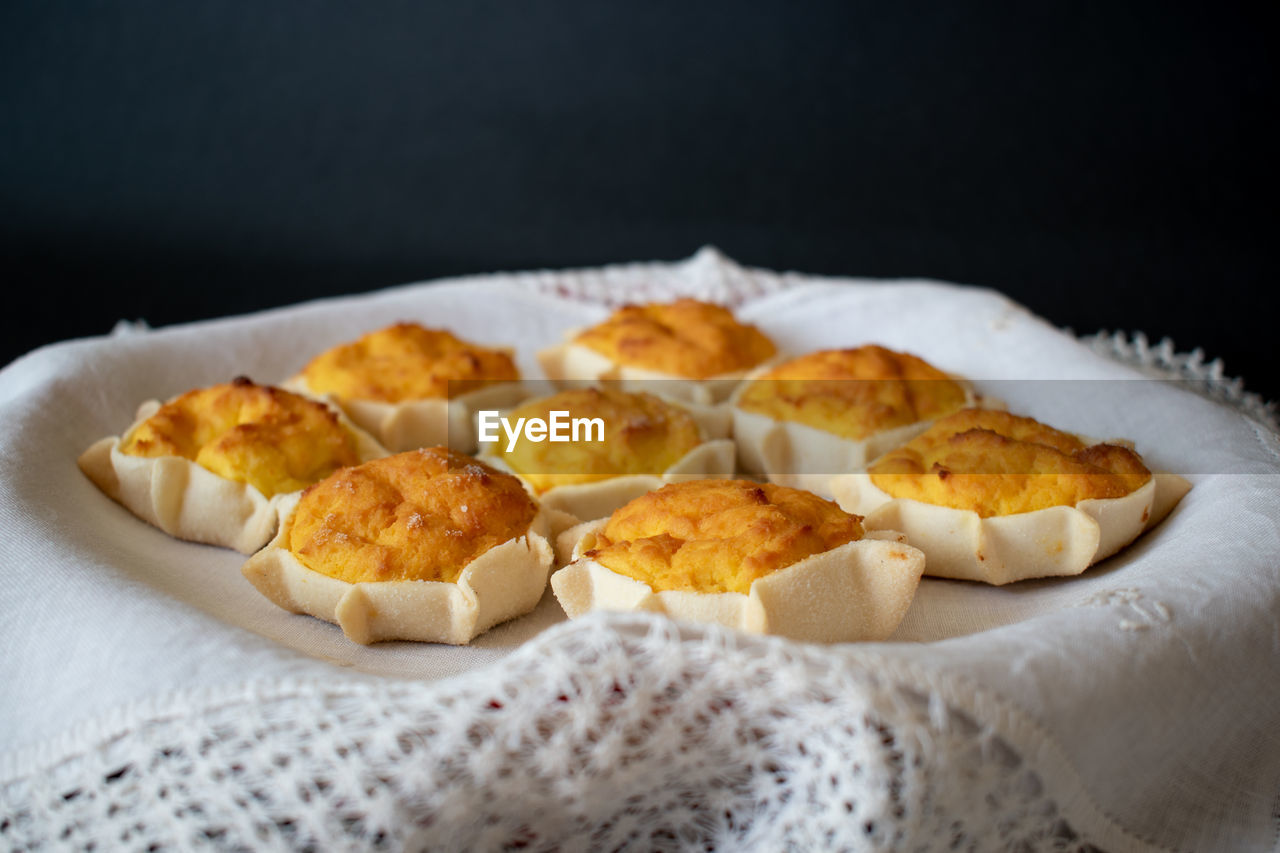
1163	361
708	275
605	733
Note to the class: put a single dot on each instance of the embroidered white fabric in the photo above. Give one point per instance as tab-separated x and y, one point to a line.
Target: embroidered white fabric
629	733
150	703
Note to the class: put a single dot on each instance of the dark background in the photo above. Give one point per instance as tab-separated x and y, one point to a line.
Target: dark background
1110	166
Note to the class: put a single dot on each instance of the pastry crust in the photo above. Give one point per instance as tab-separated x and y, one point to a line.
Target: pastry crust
792	453
712	456
978	540
423	423
569	364
499	584
1051	542
687	337
762	559
188	501
396	383
858	591
596	500
689	351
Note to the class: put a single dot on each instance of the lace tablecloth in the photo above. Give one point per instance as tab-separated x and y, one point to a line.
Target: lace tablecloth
151	698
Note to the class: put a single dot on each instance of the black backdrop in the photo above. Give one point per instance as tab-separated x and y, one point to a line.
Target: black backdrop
1108	165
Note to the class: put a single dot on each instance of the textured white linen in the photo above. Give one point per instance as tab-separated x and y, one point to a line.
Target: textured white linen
1140	701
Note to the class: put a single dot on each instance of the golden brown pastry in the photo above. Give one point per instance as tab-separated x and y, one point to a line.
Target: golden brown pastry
628	443
689	350
853	393
996	497
757	557
687	338
831	411
411	386
426	545
210	465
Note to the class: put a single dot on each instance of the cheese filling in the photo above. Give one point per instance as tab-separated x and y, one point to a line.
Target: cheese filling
995	463
716	536
686	338
422	515
271	439
407	362
853	393
639	434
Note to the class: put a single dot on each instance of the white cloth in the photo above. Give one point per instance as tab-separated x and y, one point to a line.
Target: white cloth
1134	708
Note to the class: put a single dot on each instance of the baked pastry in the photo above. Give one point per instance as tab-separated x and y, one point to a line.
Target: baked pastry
426	545
996	497
688	350
831	411
412	386
629	443
211	465
757	557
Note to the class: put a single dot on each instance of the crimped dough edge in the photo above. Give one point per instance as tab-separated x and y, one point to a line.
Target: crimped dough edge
1051	542
412	424
187	501
859	591
504	582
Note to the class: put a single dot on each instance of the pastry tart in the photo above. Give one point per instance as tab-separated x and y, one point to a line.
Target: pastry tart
832	411
427	545
412	387
212	464
687	350
629	443
756	557
995	497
